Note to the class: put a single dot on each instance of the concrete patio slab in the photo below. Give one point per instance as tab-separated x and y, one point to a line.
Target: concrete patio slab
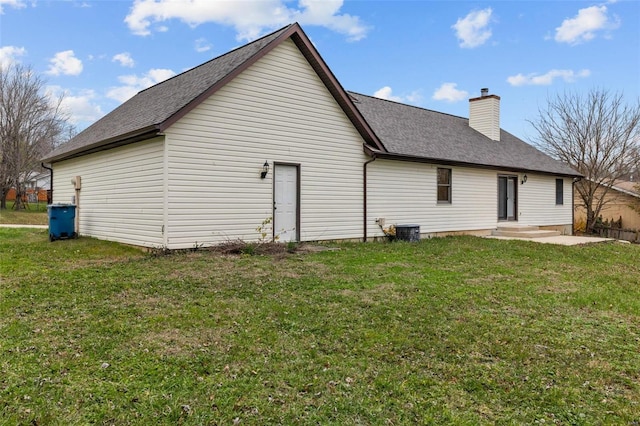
565	240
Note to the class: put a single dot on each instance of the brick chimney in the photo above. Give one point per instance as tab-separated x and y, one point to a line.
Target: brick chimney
484	114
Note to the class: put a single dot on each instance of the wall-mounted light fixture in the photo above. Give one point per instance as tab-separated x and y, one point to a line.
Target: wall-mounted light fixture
265	170
524	179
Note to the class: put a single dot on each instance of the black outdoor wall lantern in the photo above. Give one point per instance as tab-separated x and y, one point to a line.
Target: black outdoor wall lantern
524	179
265	170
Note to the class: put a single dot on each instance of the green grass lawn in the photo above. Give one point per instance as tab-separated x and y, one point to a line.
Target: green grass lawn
35	214
448	331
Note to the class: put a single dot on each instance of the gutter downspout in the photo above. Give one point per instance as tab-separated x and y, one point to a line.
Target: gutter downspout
49	199
364	193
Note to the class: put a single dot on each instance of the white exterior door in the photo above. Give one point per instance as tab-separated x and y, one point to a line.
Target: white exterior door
285	203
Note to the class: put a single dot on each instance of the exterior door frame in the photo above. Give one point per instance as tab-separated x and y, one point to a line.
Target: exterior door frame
297	230
503	216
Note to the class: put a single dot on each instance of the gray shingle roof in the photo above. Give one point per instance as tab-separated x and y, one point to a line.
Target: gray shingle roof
411	131
403	130
153	106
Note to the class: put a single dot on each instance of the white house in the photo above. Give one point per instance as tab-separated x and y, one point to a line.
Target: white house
37	180
265	136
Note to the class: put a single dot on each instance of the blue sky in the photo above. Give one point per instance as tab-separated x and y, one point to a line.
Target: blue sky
432	54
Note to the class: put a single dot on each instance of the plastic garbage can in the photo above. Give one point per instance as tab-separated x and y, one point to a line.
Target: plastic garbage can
61	221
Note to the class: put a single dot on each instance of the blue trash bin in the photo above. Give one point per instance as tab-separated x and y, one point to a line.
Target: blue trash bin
61	221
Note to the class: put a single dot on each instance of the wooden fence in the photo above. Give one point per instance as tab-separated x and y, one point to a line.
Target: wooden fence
30	196
632	235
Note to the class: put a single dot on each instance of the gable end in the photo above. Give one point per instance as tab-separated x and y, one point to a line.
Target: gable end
332	84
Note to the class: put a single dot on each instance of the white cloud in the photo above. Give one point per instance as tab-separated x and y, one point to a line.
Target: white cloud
387	93
9	55
17	4
585	24
80	107
325	14
65	63
473	30
124	59
414	98
202	45
447	92
132	84
250	18
533	79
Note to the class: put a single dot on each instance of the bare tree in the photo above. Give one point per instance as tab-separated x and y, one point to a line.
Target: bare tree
598	135
31	124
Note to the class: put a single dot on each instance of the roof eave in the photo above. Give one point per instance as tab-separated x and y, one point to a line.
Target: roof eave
417	159
617	188
102	145
626	191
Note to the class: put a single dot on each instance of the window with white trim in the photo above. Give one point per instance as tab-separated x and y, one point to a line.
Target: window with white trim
444	186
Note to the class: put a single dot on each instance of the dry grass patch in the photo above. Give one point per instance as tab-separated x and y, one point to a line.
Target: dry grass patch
376	295
146	304
178	342
560	287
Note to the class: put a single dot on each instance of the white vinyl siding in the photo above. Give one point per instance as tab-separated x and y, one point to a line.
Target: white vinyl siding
405	193
537	201
122	192
277	110
484	116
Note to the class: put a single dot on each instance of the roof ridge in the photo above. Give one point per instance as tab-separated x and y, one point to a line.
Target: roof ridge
407	105
218	57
